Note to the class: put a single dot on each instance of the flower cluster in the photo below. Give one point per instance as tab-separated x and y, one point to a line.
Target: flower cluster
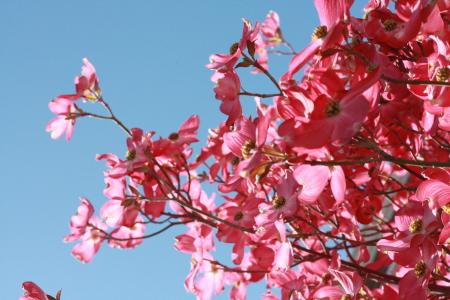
337	188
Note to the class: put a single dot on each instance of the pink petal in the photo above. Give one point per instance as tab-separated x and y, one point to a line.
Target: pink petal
313	180
332	11
435	191
301	58
33	292
338	184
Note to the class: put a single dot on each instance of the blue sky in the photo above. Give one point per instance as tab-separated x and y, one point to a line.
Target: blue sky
150	57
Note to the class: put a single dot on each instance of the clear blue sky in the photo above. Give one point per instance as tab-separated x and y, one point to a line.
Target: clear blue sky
150	57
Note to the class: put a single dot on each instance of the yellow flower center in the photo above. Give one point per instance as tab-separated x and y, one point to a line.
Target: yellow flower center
96	235
278	202
415	226
420	268
446	208
131	154
319	32
362	294
247	149
238	216
326	277
443	74
389	25
333	108
92	95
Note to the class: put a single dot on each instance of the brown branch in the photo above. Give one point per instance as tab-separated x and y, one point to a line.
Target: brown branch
259	95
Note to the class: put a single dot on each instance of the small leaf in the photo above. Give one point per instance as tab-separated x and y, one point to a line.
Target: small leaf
328	52
127	202
251	48
244	63
234	48
261	171
134	190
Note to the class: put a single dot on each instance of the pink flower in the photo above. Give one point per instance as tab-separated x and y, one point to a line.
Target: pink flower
33	292
212	281
79	222
414	222
283	204
283	249
313	180
199	239
64	108
422	260
119	213
333	120
436	192
350	283
227	90
87	85
187	134
241	213
260	257
227	61
242	140
444	237
90	241
262	55
328	34
271	29
88	230
119	210
291	282
387	28
126	237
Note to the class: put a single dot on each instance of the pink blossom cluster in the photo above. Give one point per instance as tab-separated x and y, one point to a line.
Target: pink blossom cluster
337	188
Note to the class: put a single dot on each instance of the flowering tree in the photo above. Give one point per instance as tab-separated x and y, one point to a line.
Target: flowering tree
337	188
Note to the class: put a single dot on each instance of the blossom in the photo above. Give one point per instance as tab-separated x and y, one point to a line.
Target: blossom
350	285
436	192
80	221
271	29
327	34
333	120
33	292
415	222
90	241
422	260
87	85
283	204
343	174
127	236
64	122
199	239
227	90
387	28
88	230
227	61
